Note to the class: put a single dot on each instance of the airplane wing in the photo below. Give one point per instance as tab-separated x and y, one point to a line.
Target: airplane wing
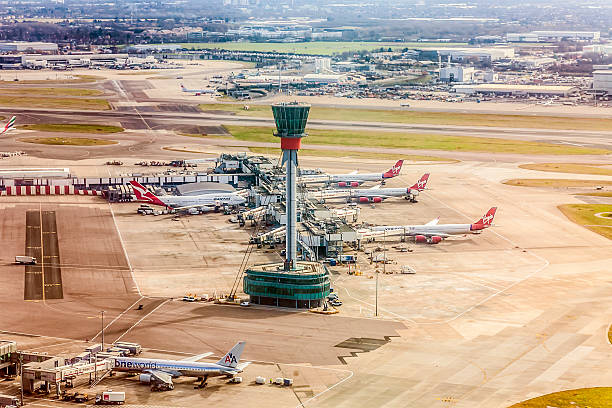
160	376
433	222
197	358
186	207
354	172
433	234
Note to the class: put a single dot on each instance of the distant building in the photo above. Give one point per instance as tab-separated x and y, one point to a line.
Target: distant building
549	36
22	46
604	49
481	54
516	90
602	79
324	78
322	65
456	74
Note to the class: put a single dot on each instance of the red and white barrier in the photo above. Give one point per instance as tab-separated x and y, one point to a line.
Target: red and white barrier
47	190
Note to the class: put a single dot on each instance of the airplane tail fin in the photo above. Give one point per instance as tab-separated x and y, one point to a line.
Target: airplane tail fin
394	171
486	220
233	356
420	185
10	125
142	194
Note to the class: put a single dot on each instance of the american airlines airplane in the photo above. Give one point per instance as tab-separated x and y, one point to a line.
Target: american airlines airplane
162	371
186	202
432	232
375	194
10	125
353	179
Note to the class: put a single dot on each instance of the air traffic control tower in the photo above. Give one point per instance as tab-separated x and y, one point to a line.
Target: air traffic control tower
293	283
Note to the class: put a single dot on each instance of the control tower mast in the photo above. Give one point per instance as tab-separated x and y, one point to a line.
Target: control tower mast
290	121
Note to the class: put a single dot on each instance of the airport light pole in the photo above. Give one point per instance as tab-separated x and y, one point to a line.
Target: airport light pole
102	330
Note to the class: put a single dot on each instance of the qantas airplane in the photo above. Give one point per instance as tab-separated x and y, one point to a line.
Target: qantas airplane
353	179
186	202
375	194
432	232
10	125
162	371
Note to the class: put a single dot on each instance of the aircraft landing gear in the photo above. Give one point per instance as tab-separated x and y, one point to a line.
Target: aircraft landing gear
202	383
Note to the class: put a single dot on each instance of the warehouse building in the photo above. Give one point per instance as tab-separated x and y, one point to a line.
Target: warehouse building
23	46
550	36
456	74
602	80
516	90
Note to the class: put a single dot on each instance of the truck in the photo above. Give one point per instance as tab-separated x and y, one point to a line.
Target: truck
25	260
134	348
6	400
110	398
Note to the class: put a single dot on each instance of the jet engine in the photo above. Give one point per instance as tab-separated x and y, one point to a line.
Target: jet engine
435	240
145	378
364	200
421	239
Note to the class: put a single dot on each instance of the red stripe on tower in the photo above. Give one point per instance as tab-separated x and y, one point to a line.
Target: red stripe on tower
291	143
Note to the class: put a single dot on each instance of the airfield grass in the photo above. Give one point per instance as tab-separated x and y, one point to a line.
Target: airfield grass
54	103
557	183
354	154
77	79
599	397
414	141
68	141
50	91
584	214
430	118
598	194
315	47
575	168
72	128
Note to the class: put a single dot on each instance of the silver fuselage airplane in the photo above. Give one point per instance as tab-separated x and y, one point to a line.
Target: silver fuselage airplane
162	371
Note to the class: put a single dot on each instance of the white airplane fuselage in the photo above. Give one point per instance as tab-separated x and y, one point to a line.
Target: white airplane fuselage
173	367
444	229
203	200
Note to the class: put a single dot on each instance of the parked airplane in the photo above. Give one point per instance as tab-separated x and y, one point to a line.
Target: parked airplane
161	372
432	232
199	91
375	194
353	179
186	202
10	125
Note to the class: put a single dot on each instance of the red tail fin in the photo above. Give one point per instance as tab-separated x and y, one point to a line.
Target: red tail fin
487	219
420	185
142	194
395	170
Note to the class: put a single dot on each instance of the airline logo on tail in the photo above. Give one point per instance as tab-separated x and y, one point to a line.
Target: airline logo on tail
142	194
233	356
420	185
10	125
395	170
485	221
